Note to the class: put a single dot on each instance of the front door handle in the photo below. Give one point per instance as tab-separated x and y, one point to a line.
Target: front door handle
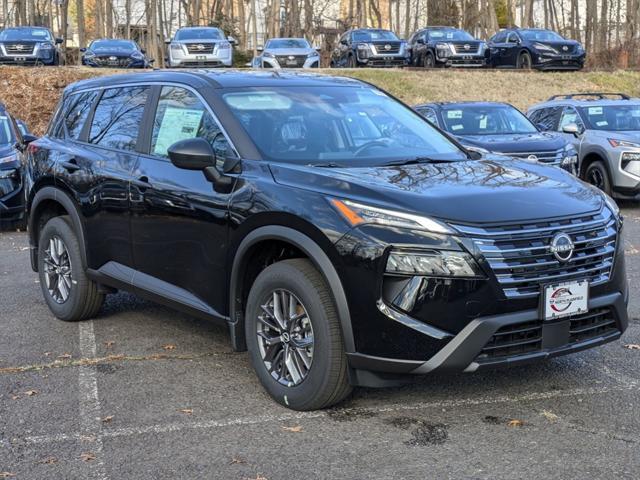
70	165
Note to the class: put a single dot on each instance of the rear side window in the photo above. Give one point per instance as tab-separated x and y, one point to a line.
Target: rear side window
76	109
117	119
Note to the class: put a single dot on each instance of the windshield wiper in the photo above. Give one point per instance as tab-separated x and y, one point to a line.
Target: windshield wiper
325	165
417	160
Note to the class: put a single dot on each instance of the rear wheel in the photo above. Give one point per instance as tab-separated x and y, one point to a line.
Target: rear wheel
71	296
294	337
597	175
524	61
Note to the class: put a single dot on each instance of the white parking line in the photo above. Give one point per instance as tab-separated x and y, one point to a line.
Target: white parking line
90	403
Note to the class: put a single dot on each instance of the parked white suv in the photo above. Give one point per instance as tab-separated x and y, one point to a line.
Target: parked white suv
200	47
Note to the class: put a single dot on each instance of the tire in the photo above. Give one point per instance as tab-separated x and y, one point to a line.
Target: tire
429	61
351	62
325	381
83	299
597	175
524	61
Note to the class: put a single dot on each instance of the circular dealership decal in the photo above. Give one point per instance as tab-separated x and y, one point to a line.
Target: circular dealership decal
561	299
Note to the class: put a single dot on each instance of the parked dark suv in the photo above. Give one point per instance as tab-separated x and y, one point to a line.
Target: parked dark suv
370	47
535	48
29	46
447	47
341	238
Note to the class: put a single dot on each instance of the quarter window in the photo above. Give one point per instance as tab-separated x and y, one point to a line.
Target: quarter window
77	108
429	114
117	118
181	115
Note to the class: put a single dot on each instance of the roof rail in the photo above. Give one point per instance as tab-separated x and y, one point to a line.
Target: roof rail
598	95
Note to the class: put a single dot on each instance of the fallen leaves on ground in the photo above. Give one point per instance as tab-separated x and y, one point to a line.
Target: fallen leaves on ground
7	474
49	460
31	393
65	356
258	477
88	456
552	417
296	429
237	461
187	411
515	423
107	419
632	346
109	344
169	346
15	397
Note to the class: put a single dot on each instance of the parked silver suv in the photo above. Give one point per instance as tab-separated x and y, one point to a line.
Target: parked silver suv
200	47
287	53
605	129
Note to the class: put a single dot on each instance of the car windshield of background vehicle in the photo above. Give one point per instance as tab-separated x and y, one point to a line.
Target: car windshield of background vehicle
449	35
288	43
353	126
6	133
541	36
619	118
199	34
119	45
486	120
28	34
374	36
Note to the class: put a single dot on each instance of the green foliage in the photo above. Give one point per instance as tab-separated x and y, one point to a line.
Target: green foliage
502	13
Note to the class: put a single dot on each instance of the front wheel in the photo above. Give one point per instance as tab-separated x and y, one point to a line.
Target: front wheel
351	62
429	61
524	61
596	174
294	337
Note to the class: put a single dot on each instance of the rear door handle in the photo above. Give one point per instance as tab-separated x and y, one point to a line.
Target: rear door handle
70	165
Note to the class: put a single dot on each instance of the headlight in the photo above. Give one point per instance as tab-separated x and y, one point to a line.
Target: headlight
9	159
442	263
544	48
137	55
224	46
358	214
46	46
623	143
313	54
89	54
268	55
362	46
611	205
443	49
176	46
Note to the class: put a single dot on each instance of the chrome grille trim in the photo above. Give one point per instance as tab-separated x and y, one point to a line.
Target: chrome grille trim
521	261
554	156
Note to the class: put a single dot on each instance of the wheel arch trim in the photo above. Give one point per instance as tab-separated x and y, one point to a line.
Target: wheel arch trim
317	256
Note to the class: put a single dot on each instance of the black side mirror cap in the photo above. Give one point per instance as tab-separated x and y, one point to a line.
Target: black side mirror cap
192	154
59	40
83	49
143	51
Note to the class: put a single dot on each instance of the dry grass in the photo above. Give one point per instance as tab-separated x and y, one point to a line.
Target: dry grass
32	93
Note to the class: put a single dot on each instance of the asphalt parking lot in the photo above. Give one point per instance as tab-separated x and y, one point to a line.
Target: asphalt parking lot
144	392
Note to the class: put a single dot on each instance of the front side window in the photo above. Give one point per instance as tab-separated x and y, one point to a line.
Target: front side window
499	37
351	125
512	38
570	116
75	109
619	118
546	118
117	119
181	115
486	120
6	132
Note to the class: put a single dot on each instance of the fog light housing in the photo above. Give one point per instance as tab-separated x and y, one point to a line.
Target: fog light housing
442	263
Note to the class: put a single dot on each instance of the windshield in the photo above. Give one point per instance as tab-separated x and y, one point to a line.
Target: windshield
6	132
541	36
288	43
486	120
617	118
122	45
355	126
449	35
373	35
199	34
26	34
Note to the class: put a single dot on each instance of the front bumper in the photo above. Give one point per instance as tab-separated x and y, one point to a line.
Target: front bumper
463	61
222	58
269	62
559	62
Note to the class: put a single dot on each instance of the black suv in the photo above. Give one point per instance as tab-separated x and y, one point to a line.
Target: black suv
447	47
538	48
370	47
29	46
341	238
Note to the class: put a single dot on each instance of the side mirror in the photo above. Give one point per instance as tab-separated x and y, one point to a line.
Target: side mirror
420	40
168	41
317	48
572	129
152	60
59	40
197	154
259	48
344	42
83	49
27	138
231	40
143	51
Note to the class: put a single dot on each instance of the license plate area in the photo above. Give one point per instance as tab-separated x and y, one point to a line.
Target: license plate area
291	63
201	57
20	59
561	300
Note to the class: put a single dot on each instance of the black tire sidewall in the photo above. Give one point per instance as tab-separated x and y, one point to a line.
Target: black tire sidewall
428	65
525	65
287	277
606	188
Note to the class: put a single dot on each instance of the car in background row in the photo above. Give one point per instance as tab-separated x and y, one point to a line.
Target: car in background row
446	47
287	53
370	47
115	53
29	46
500	128
605	129
537	48
12	144
200	47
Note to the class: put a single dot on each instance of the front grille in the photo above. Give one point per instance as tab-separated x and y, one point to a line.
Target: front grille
460	49
107	61
381	48
288	60
513	340
200	48
554	156
595	324
521	260
19	48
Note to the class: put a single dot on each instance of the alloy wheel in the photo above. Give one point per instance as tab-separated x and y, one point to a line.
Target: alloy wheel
57	270
595	178
285	338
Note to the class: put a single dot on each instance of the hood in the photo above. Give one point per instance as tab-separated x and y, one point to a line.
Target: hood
516	143
483	191
630	136
204	41
289	51
572	44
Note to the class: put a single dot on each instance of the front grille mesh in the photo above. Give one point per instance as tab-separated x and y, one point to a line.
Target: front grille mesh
461	50
200	48
394	47
520	257
593	324
19	48
553	157
285	60
106	61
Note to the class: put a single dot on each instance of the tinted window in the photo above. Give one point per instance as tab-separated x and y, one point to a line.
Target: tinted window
76	109
113	45
499	37
428	113
6	132
118	116
512	38
546	118
181	115
541	35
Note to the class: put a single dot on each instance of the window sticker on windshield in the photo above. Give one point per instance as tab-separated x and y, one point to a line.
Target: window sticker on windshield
449	35
39	33
483	123
457	127
602	123
595	110
177	124
454	114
